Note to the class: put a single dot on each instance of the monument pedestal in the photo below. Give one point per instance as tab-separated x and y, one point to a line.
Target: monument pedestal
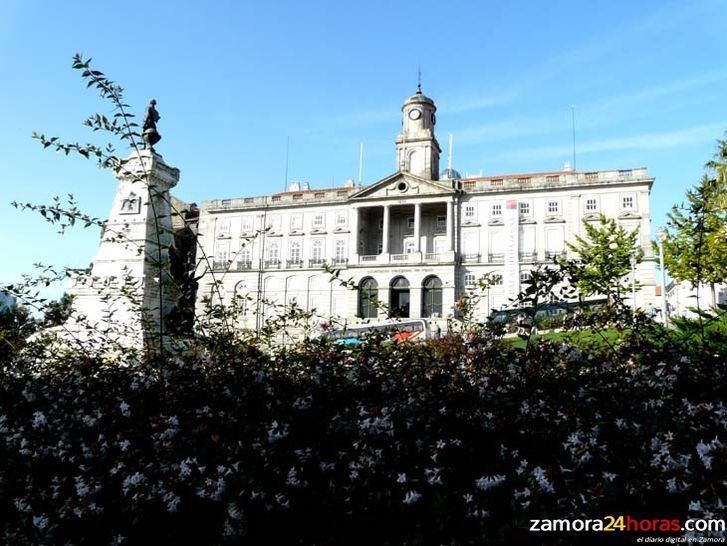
128	292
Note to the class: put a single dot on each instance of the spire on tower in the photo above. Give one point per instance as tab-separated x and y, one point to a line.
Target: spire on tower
419	80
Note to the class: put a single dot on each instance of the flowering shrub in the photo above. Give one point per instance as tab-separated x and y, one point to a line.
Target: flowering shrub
439	443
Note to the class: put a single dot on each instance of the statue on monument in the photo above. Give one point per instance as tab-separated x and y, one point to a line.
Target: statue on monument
149	130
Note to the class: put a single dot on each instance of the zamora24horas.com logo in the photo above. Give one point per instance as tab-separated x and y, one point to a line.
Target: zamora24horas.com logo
637	525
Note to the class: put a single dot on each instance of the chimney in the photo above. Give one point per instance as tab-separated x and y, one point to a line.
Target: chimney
294	186
306	186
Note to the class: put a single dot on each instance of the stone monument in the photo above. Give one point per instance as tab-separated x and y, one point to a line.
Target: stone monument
128	292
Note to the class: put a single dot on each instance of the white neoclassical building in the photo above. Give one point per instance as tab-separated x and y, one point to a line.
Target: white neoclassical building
415	239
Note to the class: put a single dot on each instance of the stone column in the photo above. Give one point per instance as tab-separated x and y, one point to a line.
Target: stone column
385	234
354	236
450	230
417	226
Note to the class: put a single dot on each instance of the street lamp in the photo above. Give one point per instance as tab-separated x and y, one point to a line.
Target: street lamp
633	285
661	235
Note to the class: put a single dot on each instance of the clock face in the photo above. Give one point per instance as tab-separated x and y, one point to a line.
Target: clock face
415	114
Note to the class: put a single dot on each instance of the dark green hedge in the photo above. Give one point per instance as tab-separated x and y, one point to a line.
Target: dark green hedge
439	443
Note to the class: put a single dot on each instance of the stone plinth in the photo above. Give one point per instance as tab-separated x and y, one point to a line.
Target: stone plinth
128	292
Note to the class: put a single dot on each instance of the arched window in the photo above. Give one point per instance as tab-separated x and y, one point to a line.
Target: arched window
399	297
368	292
432	297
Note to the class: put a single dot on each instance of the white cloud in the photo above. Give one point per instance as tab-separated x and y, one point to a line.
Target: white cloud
661	140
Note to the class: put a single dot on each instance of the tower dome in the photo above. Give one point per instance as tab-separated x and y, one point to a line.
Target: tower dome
450	174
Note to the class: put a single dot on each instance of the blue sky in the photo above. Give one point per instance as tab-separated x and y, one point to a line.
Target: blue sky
234	80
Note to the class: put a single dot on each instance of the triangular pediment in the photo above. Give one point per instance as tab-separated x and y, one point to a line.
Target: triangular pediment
402	184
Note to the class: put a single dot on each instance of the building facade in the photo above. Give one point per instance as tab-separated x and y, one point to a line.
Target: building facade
414	240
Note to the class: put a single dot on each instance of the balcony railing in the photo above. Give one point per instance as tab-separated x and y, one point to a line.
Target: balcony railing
368	257
272	264
296	262
339	260
399	257
496	257
243	265
549	255
220	266
316	262
471	257
528	256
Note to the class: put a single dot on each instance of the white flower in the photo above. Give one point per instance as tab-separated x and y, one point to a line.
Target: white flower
124	445
41	522
542	480
411	497
488	482
124	407
433	477
234	512
39	419
609	476
401	478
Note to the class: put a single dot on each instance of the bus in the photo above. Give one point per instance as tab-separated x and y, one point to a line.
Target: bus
410	330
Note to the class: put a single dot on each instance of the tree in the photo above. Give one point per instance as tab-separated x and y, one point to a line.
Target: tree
696	246
57	312
604	258
16	324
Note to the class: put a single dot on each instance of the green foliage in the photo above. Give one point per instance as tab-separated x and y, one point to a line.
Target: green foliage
696	246
57	312
604	258
438	443
16	324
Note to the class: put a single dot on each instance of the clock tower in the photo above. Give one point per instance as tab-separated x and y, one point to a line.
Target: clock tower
417	149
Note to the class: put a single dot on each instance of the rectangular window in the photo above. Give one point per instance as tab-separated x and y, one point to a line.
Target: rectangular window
223	227
318	220
497	279
469	212
274	251
439	246
340	251
222	252
296	222
627	202
341	219
245	255
317	251
408	247
274	223
297	196
295	251
469	279
553	207
319	195
247	224
591	204
441	223
496	209
524	208
552	178
496	182
524	276
469	185
410	223
276	198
